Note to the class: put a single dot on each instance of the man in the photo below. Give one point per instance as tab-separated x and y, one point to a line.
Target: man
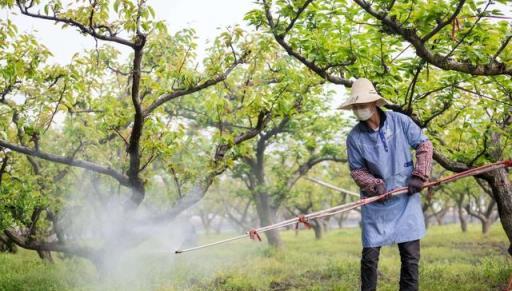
379	157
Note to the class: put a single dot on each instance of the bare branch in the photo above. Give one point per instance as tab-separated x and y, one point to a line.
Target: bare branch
82	27
122	179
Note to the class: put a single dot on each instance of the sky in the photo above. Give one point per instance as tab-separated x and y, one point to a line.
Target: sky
207	17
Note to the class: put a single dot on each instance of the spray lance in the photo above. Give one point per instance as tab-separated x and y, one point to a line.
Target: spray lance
254	233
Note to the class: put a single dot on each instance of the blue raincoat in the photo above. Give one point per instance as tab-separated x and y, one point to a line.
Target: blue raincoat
386	153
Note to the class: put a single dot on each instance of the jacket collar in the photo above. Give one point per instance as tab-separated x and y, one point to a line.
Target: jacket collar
383	117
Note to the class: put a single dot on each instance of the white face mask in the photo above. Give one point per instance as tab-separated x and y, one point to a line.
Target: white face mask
363	113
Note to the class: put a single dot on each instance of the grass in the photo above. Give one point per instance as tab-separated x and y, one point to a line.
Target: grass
451	260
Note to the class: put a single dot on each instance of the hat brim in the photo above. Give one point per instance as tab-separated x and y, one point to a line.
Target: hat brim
348	105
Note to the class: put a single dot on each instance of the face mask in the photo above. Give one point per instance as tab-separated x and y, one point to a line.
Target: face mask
363	113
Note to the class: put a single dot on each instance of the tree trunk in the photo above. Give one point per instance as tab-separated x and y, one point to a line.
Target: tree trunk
462	219
317	227
340	220
502	192
218	227
427	221
205	221
45	256
325	224
267	216
486	224
424	207
439	216
7	245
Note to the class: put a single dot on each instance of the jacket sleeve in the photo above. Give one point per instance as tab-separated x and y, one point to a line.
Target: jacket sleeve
423	167
412	131
365	180
358	171
423	146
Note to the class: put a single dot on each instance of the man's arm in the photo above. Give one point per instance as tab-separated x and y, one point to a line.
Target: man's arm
367	182
424	150
423	167
363	178
420	142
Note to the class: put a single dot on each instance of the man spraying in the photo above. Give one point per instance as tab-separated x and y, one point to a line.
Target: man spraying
380	160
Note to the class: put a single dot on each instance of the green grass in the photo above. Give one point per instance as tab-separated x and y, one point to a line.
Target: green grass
451	260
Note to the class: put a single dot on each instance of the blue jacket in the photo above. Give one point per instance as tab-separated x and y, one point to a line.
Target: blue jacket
386	154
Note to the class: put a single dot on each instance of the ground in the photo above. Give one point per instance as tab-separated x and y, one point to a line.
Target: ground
451	260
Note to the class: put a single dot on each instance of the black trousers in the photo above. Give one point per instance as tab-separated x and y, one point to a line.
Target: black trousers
410	257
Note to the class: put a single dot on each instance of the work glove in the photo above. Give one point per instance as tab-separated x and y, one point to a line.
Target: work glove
379	189
415	185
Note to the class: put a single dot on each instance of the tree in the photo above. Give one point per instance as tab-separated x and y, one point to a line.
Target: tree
458	77
458	194
336	195
308	197
287	151
121	119
482	206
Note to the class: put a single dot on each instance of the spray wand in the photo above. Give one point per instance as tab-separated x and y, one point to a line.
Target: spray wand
304	219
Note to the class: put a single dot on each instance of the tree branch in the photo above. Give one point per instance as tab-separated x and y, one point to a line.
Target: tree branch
442	24
310	64
308	165
122	179
297	15
82	27
409	34
502	47
49	246
181	92
2	168
133	148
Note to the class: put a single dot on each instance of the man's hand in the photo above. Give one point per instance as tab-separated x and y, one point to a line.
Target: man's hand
381	189
415	185
377	190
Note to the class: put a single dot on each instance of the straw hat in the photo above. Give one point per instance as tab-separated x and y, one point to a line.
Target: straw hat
363	92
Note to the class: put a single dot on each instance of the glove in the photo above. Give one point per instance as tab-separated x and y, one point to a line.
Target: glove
381	189
378	189
415	185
